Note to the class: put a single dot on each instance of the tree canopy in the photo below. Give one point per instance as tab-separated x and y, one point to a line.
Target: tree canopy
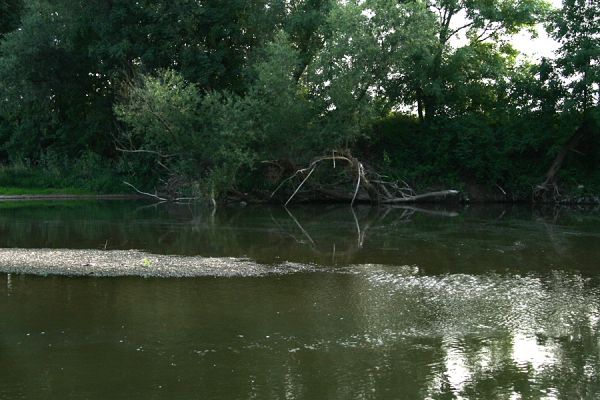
207	92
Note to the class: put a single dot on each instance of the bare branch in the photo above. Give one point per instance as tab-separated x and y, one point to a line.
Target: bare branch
299	186
482	37
312	164
187	200
359	174
455	31
145	151
285	181
145	193
379	190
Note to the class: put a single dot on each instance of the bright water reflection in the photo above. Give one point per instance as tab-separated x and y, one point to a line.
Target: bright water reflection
482	305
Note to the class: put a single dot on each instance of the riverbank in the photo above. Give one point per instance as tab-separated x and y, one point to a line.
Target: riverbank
467	194
29	197
15	193
463	199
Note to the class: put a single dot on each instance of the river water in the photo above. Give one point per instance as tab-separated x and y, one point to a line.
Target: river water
469	303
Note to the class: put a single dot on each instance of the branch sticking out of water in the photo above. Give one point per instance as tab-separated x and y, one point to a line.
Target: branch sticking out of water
379	190
154	196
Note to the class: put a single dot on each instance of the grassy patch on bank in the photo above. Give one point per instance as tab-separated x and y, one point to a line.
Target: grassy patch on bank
54	175
18	191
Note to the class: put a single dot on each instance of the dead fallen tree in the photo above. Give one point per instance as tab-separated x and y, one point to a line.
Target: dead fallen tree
370	186
162	198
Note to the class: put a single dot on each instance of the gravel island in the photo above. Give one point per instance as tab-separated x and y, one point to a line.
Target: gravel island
132	263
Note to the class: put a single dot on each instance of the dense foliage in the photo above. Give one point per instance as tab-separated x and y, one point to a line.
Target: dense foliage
200	96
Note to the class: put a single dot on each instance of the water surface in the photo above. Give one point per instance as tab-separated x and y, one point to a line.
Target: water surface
474	303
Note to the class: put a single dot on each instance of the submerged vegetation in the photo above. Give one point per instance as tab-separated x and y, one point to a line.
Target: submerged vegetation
227	99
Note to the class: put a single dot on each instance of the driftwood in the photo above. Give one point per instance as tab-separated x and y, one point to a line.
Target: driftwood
369	185
377	188
154	196
422	197
160	199
170	186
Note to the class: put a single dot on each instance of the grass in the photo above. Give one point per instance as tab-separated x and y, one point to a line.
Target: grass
80	177
16	191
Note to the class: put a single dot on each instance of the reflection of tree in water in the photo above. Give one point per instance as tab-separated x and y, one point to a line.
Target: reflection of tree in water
373	217
474	240
258	233
441	337
499	334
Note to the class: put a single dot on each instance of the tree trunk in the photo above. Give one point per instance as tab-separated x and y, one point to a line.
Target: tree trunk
560	157
549	183
420	105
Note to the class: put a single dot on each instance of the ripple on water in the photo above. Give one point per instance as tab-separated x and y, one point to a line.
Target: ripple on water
457	304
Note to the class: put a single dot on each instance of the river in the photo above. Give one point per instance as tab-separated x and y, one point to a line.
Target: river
495	302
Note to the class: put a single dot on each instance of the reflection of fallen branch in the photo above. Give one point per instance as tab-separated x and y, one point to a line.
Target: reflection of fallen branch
378	189
284	230
363	226
359	236
312	244
422	197
438	213
153	205
300	226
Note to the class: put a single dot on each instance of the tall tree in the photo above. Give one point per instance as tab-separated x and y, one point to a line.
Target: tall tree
10	15
60	73
576	26
484	23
